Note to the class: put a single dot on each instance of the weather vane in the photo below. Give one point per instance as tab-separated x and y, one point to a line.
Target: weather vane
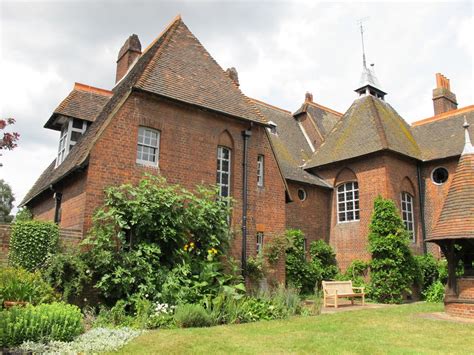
361	25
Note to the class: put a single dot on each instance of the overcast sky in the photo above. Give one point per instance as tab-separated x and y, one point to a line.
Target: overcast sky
280	49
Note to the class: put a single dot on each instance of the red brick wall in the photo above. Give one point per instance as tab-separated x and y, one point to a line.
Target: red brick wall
72	204
311	215
464	310
188	152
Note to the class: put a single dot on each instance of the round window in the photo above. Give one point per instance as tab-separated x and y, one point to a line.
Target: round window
439	176
302	194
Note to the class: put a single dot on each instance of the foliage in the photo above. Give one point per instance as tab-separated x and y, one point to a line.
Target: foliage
323	254
117	316
45	322
162	316
68	273
31	242
20	285
23	214
94	341
192	315
275	249
393	268
300	273
255	268
9	139
428	270
435	292
356	272
159	240
6	202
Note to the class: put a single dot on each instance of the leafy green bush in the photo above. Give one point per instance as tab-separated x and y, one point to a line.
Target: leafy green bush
68	273
46	322
392	268
300	273
356	272
435	292
159	240
23	214
322	253
21	285
31	242
428	270
192	315
275	249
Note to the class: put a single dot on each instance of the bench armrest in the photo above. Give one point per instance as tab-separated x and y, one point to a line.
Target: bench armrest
359	288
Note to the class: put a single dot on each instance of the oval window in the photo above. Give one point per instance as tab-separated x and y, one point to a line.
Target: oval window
302	194
439	176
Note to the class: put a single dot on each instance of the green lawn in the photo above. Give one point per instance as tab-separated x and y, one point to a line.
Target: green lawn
397	329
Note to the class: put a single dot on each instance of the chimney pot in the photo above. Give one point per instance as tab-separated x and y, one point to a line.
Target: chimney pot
443	99
129	52
308	97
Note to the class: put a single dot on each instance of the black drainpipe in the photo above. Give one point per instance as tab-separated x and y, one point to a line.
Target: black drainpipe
58	196
246	135
421	195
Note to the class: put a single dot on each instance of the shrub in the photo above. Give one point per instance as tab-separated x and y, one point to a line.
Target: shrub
192	315
275	249
300	273
356	272
428	270
31	242
46	322
255	268
21	285
23	214
94	341
392	267
68	273
323	254
435	292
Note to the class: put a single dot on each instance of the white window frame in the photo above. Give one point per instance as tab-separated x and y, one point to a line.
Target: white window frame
260	170
221	172
305	194
260	241
347	187
408	213
141	143
65	139
432	176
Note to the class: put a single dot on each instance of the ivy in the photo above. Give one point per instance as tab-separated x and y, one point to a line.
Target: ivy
31	243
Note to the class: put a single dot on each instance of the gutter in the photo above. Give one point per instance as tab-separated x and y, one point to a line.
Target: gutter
246	136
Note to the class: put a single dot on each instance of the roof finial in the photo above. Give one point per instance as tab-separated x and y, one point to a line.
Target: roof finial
361	21
468	148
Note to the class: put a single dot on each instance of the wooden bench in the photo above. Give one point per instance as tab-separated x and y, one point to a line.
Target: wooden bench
333	290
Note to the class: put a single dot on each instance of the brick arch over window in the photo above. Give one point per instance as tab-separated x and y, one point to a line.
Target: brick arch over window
226	140
345	175
407	186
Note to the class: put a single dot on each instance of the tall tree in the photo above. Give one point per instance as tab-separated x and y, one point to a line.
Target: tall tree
9	139
6	202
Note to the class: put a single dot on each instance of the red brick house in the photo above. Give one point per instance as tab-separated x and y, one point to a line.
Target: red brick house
174	111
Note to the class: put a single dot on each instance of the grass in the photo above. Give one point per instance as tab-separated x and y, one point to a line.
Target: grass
393	330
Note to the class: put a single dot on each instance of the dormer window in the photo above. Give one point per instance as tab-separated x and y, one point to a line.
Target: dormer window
71	131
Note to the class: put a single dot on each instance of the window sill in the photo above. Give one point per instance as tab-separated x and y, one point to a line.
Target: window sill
346	222
147	165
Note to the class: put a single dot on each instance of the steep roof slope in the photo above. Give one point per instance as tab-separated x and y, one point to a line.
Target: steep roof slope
291	147
324	118
83	102
368	126
457	216
440	137
175	53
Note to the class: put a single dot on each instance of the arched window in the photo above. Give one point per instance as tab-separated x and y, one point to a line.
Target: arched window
408	215
348	202
223	170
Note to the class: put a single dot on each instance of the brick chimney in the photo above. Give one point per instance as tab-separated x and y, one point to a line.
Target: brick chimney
129	52
443	99
232	73
308	97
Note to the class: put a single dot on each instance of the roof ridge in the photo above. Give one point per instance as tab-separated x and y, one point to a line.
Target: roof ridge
269	105
92	89
442	116
325	108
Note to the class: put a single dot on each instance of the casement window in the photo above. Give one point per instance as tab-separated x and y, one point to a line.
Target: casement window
259	243
408	215
72	130
148	146
260	169
223	171
348	202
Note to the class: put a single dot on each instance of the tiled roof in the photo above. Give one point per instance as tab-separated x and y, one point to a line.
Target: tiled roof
289	144
440	137
185	71
456	220
172	56
368	126
324	118
83	102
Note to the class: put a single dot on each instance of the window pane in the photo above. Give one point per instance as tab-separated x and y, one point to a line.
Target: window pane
348	201
77	123
342	217
350	216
